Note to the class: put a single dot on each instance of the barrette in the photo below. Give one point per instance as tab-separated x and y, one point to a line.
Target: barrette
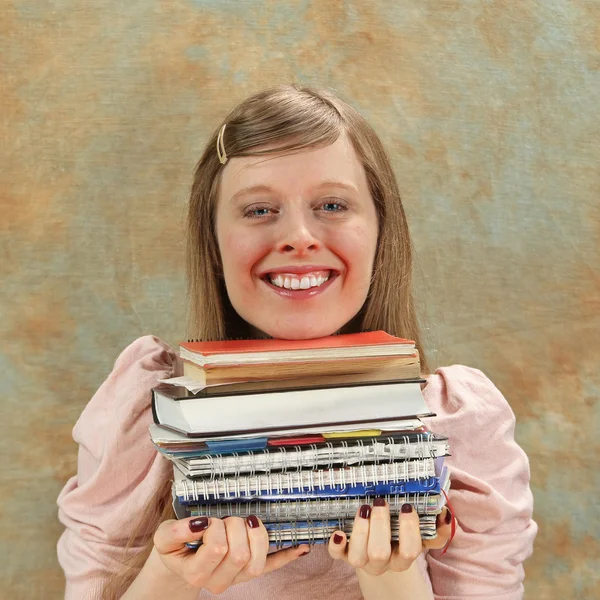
221	146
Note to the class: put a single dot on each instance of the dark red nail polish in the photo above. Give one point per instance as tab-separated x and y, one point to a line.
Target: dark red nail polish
365	511
379	502
337	538
225	517
252	522
305	553
199	524
448	517
406	508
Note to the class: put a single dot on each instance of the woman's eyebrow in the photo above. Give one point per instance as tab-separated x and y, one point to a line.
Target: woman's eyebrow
266	188
251	189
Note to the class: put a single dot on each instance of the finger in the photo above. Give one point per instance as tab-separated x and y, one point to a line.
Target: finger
171	536
357	548
443	529
337	545
379	547
258	542
236	559
283	557
409	539
200	565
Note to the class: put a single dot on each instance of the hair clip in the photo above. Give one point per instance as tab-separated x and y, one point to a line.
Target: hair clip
221	146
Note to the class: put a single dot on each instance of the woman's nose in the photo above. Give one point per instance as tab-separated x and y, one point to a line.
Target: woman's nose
296	237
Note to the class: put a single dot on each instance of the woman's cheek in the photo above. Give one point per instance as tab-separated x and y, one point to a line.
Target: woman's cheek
244	250
356	247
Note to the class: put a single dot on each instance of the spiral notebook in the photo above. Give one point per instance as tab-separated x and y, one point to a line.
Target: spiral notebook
369	480
327	454
408	469
319	508
286	535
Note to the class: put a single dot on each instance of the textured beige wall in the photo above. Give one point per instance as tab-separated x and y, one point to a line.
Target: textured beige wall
489	110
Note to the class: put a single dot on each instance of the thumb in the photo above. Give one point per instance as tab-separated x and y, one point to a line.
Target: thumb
172	535
444	530
283	557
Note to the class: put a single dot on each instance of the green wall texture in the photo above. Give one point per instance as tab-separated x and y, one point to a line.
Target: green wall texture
490	112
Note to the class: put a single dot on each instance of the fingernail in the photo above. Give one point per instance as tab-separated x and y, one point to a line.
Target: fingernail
337	538
305	553
225	517
379	502
252	522
199	524
406	508
448	517
365	511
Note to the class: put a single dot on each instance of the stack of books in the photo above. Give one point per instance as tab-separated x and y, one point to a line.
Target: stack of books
300	433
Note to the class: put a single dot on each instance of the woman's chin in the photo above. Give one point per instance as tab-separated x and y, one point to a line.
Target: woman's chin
300	332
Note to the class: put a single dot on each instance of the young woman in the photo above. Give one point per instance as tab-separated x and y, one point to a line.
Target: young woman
296	230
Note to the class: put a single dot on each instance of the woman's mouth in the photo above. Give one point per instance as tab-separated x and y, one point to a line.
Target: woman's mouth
300	285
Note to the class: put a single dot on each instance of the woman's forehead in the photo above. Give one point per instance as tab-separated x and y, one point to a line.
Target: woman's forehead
310	167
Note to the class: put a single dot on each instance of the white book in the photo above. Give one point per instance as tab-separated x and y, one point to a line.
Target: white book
290	409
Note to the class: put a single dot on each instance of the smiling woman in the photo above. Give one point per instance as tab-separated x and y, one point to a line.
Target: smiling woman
295	230
306	188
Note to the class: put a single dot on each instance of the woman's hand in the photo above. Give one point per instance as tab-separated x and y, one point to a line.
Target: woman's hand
370	547
233	550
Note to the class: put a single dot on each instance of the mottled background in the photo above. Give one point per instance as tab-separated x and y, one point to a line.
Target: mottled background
489	110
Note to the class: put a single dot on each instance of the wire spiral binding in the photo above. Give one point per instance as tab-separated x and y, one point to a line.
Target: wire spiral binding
308	480
314	457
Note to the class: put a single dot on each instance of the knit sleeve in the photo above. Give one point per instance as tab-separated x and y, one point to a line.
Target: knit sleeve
490	492
118	470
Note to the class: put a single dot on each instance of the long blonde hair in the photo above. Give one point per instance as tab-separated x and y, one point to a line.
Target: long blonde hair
287	118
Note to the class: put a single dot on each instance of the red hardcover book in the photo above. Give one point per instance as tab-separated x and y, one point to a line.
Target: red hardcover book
261	351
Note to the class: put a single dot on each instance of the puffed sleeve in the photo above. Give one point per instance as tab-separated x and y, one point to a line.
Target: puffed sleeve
118	469
490	491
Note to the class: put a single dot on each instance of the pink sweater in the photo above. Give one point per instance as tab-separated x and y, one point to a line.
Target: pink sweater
119	469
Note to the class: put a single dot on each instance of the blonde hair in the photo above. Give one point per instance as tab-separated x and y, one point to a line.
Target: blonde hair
288	118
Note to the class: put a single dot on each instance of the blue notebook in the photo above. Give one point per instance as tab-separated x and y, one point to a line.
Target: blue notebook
364	480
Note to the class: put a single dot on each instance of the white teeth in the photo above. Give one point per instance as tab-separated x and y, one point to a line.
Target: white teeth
298	283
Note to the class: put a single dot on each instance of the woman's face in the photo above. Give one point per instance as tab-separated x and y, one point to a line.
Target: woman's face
297	236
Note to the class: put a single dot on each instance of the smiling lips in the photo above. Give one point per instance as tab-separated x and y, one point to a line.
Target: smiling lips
299	278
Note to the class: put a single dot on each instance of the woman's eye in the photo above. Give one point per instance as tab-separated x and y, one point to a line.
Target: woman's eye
333	206
255	212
